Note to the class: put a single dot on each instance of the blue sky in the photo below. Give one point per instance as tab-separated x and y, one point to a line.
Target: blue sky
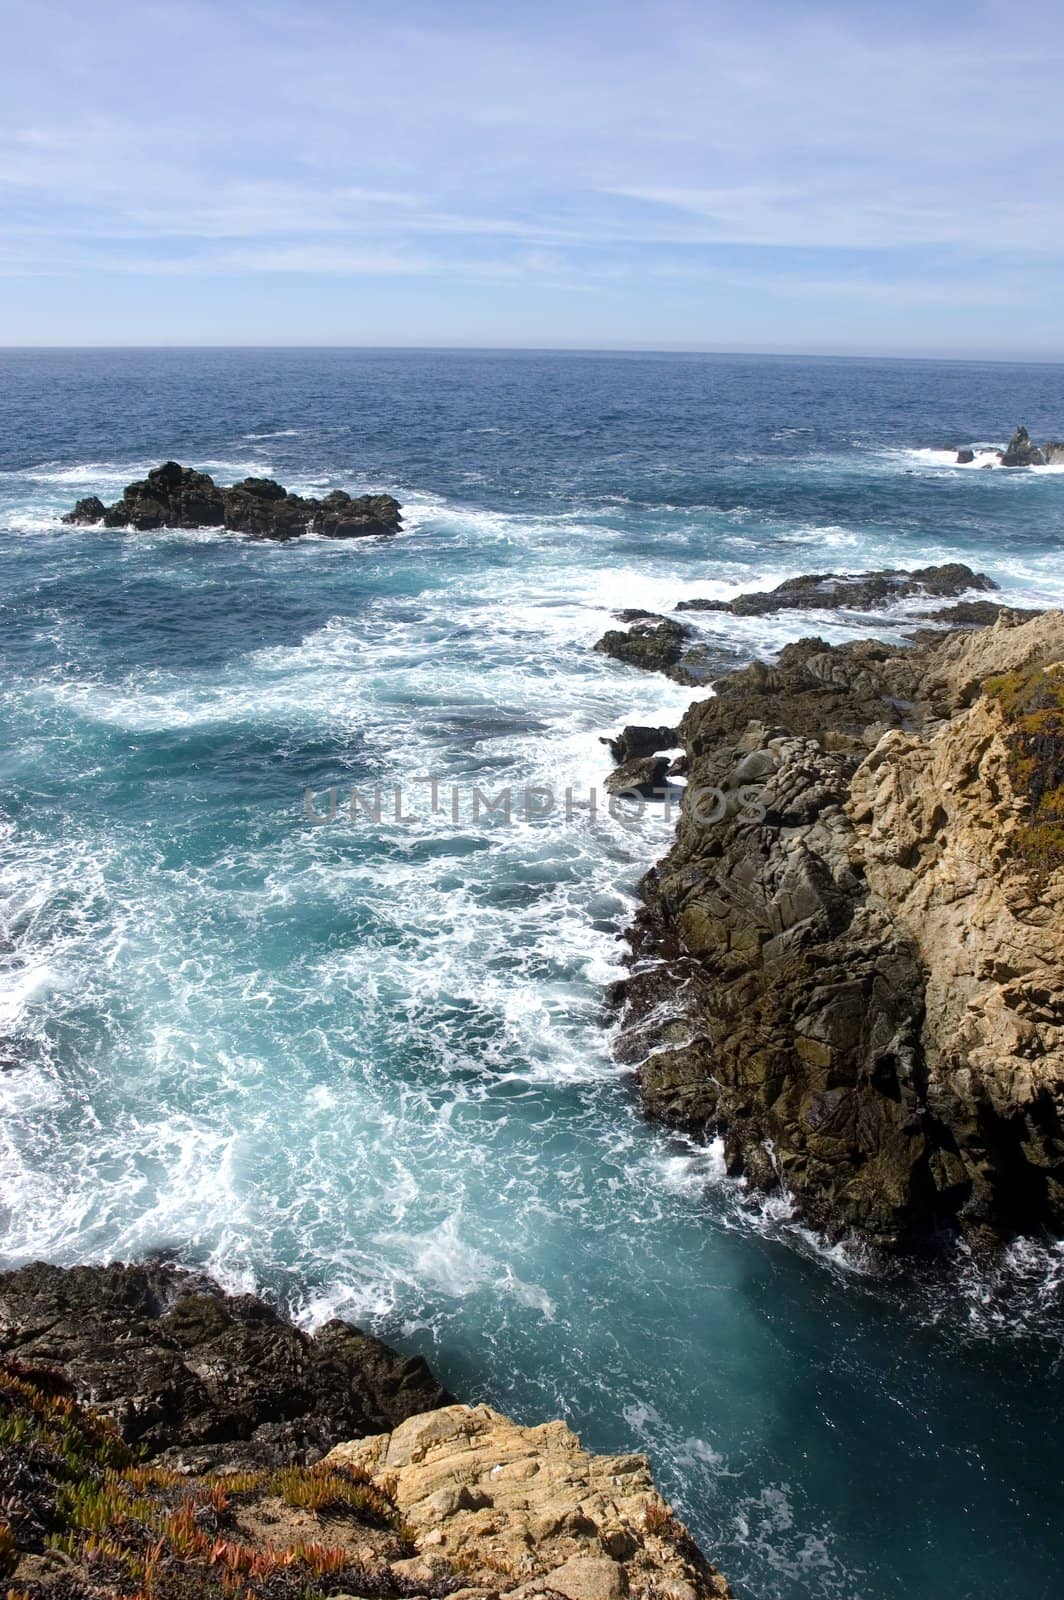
850	177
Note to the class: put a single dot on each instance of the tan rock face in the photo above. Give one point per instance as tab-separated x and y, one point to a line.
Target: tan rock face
859	980
530	1510
934	818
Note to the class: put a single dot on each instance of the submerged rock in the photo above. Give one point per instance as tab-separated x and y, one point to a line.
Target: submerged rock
854	969
172	496
527	1511
181	1366
855	591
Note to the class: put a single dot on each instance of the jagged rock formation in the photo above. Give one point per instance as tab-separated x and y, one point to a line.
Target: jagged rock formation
644	775
228	1401
659	644
975	613
1022	452
863	591
529	1511
173	496
636	740
180	1366
856	973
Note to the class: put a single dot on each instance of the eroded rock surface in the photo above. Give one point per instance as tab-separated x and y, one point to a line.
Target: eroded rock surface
172	496
181	1366
856	975
529	1510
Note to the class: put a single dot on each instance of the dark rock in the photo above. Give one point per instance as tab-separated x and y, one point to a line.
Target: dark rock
636	740
182	1367
655	644
976	613
645	775
1021	452
1054	453
965	457
90	509
658	644
771	998
173	496
862	591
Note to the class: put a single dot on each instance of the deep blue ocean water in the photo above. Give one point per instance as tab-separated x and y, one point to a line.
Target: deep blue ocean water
362	1066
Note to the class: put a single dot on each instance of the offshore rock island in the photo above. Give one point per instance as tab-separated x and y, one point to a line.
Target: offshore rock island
172	496
859	983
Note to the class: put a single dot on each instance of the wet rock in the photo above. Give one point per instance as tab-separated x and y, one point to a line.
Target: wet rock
172	496
638	740
644	775
977	613
1054	453
654	644
182	1367
863	591
1022	452
660	644
965	457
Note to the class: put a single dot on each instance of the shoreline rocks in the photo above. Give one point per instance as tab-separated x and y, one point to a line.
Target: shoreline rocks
856	973
172	496
534	1508
660	644
418	1497
863	591
185	1369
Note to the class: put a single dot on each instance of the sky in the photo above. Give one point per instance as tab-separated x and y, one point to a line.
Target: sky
835	178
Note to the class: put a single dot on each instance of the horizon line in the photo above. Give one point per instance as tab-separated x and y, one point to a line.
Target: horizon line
995	358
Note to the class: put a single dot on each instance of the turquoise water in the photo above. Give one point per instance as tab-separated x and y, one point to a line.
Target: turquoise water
363	1065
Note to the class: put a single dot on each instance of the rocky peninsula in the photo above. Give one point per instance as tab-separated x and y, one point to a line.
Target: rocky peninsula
172	496
161	1438
855	974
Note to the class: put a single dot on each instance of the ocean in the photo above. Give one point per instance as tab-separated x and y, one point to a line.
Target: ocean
363	1065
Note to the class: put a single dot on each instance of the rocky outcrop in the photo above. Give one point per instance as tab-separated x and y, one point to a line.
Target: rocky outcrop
103	1366
853	966
527	1511
182	1367
636	740
976	613
965	458
643	775
172	496
659	644
1022	452
862	591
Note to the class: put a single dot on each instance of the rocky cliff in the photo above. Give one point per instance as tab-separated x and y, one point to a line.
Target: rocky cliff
852	965
160	1438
